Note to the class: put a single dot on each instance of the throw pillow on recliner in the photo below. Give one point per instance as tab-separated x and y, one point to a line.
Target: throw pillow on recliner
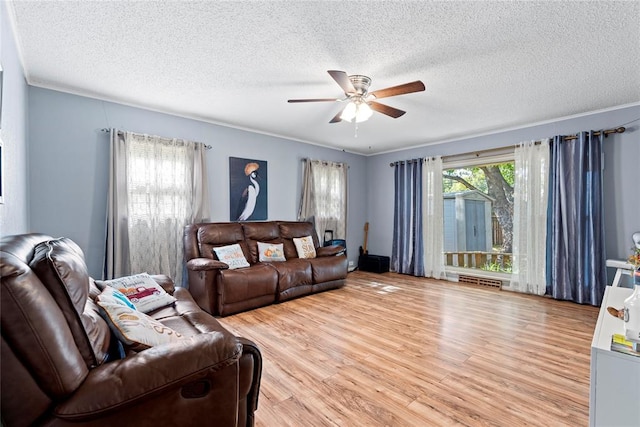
133	328
144	292
108	291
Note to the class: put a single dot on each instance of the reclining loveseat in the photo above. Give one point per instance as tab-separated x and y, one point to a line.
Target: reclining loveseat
221	291
62	365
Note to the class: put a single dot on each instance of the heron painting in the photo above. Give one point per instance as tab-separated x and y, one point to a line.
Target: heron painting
247	189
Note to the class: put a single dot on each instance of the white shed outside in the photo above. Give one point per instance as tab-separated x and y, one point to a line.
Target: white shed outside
467	221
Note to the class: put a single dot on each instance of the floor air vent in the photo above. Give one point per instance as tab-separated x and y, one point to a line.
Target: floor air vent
480	281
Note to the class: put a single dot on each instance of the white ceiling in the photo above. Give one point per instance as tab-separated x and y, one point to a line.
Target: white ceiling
487	66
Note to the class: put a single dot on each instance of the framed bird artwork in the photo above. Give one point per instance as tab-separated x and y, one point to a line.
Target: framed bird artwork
247	189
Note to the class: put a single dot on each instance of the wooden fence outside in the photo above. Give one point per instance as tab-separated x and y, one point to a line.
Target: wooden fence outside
494	261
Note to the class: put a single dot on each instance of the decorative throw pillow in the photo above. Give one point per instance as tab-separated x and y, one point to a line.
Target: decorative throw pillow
270	252
145	294
134	329
231	255
304	246
115	295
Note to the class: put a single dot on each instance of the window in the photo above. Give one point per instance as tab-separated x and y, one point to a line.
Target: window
324	196
157	186
159	182
478	216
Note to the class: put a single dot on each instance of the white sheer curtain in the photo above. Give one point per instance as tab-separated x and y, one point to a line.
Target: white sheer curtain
530	217
156	187
324	197
432	218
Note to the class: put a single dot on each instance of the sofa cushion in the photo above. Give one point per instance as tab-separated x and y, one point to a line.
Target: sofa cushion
35	328
294	272
291	229
247	283
59	263
254	232
265	232
270	252
186	317
329	268
144	292
304	247
220	234
231	255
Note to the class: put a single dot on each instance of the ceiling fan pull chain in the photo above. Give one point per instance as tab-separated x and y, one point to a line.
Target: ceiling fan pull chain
356	132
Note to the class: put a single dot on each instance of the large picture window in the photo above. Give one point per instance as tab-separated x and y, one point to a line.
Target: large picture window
478	216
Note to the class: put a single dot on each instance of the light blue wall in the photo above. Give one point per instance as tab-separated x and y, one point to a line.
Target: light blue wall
621	185
14	212
69	159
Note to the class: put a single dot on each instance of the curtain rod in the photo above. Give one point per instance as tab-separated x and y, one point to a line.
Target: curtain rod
607	132
304	159
208	147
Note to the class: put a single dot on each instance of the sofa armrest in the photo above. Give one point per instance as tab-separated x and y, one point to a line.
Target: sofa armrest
142	377
165	281
201	274
250	349
329	250
203	264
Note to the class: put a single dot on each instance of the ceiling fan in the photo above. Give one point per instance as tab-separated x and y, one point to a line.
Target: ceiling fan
360	102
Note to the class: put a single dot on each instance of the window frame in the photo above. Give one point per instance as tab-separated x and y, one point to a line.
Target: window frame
472	160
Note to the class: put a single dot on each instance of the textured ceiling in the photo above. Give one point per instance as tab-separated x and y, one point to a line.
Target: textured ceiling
487	66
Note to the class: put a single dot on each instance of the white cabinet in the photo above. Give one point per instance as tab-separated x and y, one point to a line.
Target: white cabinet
614	397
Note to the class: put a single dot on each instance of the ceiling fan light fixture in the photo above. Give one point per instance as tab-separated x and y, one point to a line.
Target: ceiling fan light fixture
349	112
364	112
360	102
357	111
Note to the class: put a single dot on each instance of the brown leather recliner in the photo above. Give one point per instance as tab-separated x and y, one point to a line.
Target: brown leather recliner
221	291
58	365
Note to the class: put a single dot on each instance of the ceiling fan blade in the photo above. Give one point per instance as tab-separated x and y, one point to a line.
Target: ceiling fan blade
385	109
315	100
336	118
343	80
416	86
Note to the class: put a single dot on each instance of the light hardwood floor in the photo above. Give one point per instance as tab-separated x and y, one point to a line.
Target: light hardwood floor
394	350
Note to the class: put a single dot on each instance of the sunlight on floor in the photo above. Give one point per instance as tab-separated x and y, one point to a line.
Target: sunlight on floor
383	288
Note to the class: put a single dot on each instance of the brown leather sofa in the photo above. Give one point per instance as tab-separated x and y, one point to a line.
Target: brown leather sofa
222	291
58	367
